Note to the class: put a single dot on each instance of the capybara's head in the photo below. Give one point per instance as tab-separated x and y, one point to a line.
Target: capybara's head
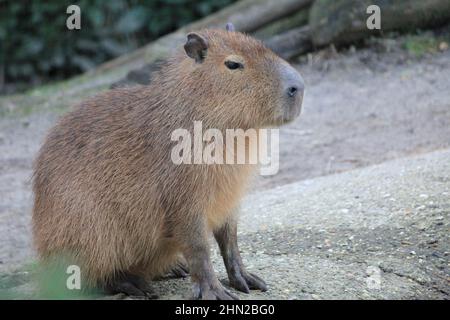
246	84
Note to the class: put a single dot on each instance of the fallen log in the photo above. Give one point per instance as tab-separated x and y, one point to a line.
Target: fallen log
260	13
344	21
298	19
291	43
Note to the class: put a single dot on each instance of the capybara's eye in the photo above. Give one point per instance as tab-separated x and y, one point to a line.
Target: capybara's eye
232	65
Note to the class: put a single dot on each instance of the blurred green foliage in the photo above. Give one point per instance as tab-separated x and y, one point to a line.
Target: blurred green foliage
36	46
421	44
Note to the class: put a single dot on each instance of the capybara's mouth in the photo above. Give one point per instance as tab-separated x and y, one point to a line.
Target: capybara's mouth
293	111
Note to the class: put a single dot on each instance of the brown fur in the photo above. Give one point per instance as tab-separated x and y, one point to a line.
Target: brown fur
106	190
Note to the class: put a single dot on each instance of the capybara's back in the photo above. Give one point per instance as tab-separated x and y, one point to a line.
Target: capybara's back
93	190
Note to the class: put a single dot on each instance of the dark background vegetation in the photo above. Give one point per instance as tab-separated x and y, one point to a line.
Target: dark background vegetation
36	47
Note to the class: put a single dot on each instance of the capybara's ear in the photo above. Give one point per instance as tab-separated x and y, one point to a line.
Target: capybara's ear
196	47
230	27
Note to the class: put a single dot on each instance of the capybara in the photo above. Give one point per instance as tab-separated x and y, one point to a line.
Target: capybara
108	195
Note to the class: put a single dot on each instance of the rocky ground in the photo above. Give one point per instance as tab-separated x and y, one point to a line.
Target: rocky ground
360	207
379	232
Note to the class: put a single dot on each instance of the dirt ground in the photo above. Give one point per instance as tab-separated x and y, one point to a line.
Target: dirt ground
361	108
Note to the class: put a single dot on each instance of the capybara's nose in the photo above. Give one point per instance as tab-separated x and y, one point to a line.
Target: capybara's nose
296	88
292	91
293	82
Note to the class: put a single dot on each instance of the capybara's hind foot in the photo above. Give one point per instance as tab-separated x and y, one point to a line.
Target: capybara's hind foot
131	285
179	270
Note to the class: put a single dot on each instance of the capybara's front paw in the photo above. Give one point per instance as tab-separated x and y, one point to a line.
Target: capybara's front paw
244	281
212	291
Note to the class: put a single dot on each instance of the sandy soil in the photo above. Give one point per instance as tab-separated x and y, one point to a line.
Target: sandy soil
361	108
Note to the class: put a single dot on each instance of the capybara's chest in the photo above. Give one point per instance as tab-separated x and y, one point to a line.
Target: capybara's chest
226	192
